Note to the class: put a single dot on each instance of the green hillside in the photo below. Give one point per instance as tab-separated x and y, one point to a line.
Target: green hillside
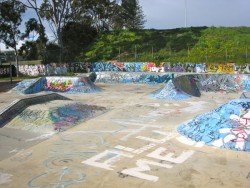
195	44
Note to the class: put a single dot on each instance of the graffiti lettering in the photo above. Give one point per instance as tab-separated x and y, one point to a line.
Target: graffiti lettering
143	165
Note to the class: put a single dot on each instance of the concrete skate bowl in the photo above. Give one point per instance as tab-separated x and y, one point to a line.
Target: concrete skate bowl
57	84
225	127
186	86
54	116
17	106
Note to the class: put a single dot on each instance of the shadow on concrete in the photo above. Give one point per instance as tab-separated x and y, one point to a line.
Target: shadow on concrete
5	86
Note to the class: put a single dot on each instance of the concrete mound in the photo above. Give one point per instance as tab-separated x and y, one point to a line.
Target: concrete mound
169	92
52	117
225	127
57	84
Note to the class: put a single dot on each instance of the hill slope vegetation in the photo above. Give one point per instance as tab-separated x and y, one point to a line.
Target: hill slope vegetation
195	44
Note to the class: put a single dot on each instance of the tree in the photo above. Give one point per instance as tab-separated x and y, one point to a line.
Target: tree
10	20
33	26
132	14
29	50
52	53
55	12
94	12
76	37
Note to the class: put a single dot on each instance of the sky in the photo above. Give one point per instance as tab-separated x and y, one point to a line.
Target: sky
168	14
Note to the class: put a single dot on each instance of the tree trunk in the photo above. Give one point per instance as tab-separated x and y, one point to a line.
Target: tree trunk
60	46
17	63
10	72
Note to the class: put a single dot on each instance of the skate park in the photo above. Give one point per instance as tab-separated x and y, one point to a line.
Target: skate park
139	128
124	93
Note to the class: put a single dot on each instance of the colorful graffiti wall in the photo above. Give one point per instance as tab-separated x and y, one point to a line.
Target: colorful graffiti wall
225	127
80	67
133	77
223	82
41	70
227	68
70	85
184	86
124	67
57	84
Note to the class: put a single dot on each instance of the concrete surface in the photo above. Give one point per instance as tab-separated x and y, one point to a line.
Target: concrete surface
134	144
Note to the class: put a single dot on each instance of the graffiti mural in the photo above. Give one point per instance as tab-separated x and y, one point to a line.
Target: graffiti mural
57	118
219	82
227	68
124	67
70	85
174	67
226	127
32	70
57	84
200	68
115	66
41	70
122	77
68	115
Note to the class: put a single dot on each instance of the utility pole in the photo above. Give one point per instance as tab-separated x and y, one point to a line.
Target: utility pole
226	54
185	13
152	52
246	54
119	54
206	55
135	53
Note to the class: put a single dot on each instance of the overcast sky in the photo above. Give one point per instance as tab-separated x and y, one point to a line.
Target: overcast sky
167	14
164	14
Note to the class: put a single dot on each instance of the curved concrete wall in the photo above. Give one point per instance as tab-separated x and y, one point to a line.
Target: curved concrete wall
191	84
19	105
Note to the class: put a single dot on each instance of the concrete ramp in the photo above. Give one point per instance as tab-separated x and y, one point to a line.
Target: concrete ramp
16	107
170	92
225	127
187	84
193	84
57	84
